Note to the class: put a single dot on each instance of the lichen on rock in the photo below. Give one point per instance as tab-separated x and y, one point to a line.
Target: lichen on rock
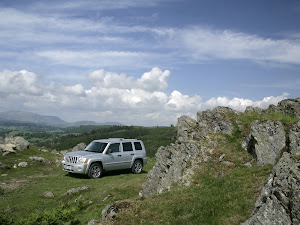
265	141
279	201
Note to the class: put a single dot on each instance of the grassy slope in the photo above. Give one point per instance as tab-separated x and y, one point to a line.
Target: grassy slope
220	194
26	185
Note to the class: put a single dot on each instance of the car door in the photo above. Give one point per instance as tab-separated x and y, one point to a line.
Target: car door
113	159
127	154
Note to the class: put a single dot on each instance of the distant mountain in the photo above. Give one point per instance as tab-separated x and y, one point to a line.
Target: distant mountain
29	117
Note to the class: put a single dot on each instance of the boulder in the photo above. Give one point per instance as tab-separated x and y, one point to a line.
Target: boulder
19	142
8	147
265	141
79	147
22	164
76	190
215	121
171	166
294	138
37	159
290	106
48	194
185	127
251	109
279	201
110	211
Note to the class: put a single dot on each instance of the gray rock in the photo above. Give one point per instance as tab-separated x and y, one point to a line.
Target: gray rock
2	165
221	157
279	201
5	153
215	121
248	164
290	106
265	141
20	143
22	164
185	127
294	138
79	147
48	194
8	148
271	108
171	166
63	152
54	152
94	222
228	163
44	150
37	159
250	109
76	190
110	211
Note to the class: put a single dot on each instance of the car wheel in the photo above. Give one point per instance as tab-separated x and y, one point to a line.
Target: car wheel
95	171
137	166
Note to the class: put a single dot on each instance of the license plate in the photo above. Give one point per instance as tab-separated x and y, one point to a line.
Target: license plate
67	167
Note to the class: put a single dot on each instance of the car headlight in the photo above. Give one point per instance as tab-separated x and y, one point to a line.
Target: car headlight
82	159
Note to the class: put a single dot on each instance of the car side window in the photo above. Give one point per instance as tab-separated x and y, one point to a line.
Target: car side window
137	146
127	146
114	147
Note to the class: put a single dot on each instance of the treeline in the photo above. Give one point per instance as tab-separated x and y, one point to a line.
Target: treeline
153	137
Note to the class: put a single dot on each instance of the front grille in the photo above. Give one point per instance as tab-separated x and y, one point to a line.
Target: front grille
71	159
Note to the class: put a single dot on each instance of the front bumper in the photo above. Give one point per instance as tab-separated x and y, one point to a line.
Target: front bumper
74	168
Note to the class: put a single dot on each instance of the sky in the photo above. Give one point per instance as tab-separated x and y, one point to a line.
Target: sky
141	62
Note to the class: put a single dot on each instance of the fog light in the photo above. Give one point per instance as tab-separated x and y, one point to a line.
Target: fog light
79	168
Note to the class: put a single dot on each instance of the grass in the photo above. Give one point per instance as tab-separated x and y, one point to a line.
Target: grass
23	188
219	194
213	200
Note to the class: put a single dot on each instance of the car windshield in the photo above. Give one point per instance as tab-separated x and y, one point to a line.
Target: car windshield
96	147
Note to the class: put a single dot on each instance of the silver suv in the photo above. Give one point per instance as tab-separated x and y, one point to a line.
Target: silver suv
105	155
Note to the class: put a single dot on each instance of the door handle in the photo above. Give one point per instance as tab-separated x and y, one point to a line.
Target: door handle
119	155
131	154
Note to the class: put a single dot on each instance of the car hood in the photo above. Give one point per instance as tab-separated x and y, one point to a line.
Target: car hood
84	153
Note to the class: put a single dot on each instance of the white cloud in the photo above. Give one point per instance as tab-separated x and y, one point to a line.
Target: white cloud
16	82
109	101
97	58
154	80
210	44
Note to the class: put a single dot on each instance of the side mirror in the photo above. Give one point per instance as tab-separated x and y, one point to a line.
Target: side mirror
108	151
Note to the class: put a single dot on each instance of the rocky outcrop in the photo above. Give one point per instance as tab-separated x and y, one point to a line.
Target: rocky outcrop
251	109
265	141
12	144
290	106
79	147
170	165
185	128
20	143
175	163
294	139
279	201
215	121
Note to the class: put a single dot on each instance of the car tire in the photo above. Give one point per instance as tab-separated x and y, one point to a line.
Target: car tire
95	171
137	167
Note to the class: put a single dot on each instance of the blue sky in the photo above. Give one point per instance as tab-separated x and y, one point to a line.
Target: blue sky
146	62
